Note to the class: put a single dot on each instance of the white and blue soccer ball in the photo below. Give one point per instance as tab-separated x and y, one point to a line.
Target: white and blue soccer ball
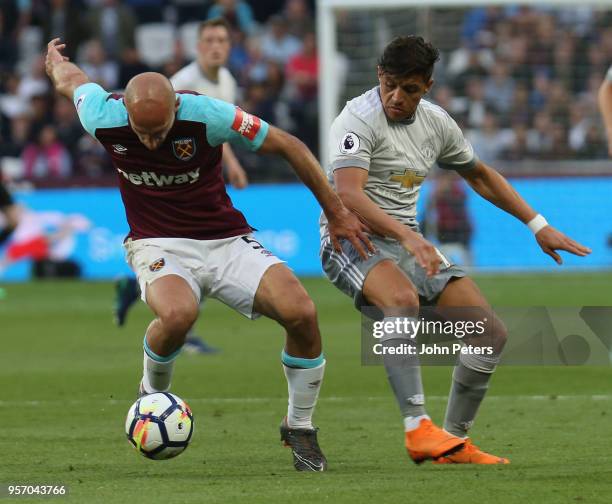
159	426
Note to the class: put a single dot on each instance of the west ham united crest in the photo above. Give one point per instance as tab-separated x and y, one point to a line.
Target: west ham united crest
157	265
184	148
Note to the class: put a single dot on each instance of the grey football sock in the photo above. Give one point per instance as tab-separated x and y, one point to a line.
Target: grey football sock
467	392
404	374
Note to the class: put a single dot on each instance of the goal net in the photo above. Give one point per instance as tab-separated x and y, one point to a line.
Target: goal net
521	80
529	71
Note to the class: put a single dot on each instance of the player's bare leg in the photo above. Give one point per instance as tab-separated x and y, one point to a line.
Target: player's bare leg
281	297
473	372
388	288
176	307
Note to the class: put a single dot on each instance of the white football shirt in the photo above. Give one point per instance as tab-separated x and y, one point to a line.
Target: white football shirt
192	78
397	155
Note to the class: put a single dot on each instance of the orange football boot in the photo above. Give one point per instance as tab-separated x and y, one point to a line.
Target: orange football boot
470	454
428	441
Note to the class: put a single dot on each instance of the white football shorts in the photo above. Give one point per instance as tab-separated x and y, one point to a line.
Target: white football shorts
229	269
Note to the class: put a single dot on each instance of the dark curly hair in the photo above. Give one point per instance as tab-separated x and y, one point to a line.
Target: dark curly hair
409	55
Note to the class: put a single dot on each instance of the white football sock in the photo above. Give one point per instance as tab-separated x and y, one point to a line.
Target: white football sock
304	386
157	370
413	422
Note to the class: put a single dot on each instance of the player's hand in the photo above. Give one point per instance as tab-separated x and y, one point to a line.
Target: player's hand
345	224
424	252
551	240
54	56
237	177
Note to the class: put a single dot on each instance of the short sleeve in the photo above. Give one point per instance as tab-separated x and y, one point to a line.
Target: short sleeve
609	74
457	152
351	142
224	121
96	110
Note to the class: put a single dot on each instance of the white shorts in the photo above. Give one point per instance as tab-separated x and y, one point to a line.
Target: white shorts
229	269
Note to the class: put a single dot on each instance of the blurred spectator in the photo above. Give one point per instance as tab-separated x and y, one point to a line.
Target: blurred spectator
564	68
558	102
46	157
113	24
520	112
450	224
539	138
12	103
61	22
277	44
237	12
559	148
517	57
35	81
8	46
489	141
92	160
98	67
543	42
298	18
540	91
130	66
147	11
472	66
239	56
67	125
19	133
476	102
257	67
40	109
187	11
260	101
595	145
518	148
499	88
445	98
302	75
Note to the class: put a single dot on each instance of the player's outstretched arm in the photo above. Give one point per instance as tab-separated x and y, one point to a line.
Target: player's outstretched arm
341	222
495	188
66	76
605	106
350	182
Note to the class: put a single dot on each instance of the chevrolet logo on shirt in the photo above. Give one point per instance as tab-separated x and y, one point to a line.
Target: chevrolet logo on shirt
408	179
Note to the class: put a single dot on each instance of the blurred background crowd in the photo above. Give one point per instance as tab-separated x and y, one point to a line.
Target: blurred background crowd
521	81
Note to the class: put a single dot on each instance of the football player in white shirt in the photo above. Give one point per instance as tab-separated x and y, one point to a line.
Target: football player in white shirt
207	75
383	145
605	105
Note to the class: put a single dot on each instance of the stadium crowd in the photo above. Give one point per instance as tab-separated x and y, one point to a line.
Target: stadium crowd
523	83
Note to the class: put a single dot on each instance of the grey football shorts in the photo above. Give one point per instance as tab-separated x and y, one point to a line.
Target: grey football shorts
347	270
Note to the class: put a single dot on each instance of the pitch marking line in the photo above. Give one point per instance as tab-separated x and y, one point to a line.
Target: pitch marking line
264	400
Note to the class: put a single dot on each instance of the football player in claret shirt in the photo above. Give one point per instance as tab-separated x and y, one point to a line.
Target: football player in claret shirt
187	241
206	75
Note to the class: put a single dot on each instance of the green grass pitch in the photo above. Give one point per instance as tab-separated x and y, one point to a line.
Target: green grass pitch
68	376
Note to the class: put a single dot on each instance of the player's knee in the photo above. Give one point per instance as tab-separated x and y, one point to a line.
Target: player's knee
178	318
301	314
404	297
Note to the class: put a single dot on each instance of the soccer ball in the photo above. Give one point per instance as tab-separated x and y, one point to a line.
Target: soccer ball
160	425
